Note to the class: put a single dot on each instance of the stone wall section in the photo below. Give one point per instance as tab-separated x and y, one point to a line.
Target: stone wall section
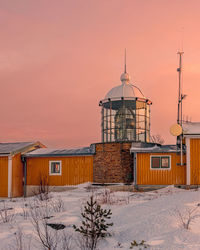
113	163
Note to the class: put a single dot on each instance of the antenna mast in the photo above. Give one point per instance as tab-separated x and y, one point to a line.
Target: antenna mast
180	105
180	96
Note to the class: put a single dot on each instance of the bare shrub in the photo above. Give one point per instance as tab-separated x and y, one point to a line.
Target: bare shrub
6	213
82	242
90	188
25	210
51	236
42	191
39	218
57	205
19	242
186	217
109	198
66	241
105	197
40	209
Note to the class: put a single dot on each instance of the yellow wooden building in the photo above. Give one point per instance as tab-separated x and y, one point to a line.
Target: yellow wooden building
58	168
158	165
161	164
11	167
23	165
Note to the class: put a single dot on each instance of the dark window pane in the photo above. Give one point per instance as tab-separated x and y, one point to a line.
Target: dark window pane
155	162
55	167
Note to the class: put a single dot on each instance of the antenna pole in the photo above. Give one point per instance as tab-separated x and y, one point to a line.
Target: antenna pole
179	115
180	107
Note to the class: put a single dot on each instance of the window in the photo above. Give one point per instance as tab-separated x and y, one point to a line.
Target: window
160	162
55	168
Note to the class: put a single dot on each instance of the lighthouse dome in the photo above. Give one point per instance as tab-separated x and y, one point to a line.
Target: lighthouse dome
126	89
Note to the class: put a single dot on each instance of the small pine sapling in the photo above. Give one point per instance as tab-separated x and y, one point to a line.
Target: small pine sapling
94	225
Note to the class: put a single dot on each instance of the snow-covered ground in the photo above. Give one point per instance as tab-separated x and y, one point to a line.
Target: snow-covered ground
150	216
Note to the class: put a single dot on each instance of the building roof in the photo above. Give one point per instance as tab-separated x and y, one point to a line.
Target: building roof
45	152
154	149
191	128
15	147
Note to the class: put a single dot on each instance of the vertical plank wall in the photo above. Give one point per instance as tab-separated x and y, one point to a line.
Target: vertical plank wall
3	176
146	176
75	170
17	176
195	161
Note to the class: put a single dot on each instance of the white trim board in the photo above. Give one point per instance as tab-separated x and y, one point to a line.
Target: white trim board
191	136
9	176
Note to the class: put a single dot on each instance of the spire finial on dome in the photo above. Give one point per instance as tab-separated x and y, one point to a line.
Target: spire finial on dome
125	78
125	61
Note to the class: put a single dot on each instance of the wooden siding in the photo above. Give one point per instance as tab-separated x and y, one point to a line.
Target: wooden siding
75	170
146	176
3	176
17	176
195	161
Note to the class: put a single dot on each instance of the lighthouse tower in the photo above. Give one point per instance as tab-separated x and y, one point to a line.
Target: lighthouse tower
125	113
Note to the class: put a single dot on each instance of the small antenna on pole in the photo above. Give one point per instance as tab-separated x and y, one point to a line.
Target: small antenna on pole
125	62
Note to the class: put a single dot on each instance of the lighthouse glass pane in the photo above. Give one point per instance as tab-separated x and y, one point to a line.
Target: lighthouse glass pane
125	120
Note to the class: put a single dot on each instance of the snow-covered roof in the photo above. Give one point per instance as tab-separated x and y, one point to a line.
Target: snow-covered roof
154	148
191	128
12	147
43	152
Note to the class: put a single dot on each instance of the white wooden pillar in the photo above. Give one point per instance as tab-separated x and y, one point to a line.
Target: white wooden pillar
9	176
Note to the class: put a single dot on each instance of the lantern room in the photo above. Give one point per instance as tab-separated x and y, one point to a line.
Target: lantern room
125	113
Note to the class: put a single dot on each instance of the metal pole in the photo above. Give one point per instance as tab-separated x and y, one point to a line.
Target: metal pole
179	115
180	107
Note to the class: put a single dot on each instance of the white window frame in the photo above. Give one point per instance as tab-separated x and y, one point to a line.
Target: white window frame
50	173
160	157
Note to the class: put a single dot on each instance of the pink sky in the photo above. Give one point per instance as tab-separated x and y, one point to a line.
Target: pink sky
59	58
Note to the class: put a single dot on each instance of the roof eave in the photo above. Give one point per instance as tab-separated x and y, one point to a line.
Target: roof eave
56	155
28	148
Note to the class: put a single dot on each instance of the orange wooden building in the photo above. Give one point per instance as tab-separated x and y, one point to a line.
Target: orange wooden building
11	167
161	165
58	168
